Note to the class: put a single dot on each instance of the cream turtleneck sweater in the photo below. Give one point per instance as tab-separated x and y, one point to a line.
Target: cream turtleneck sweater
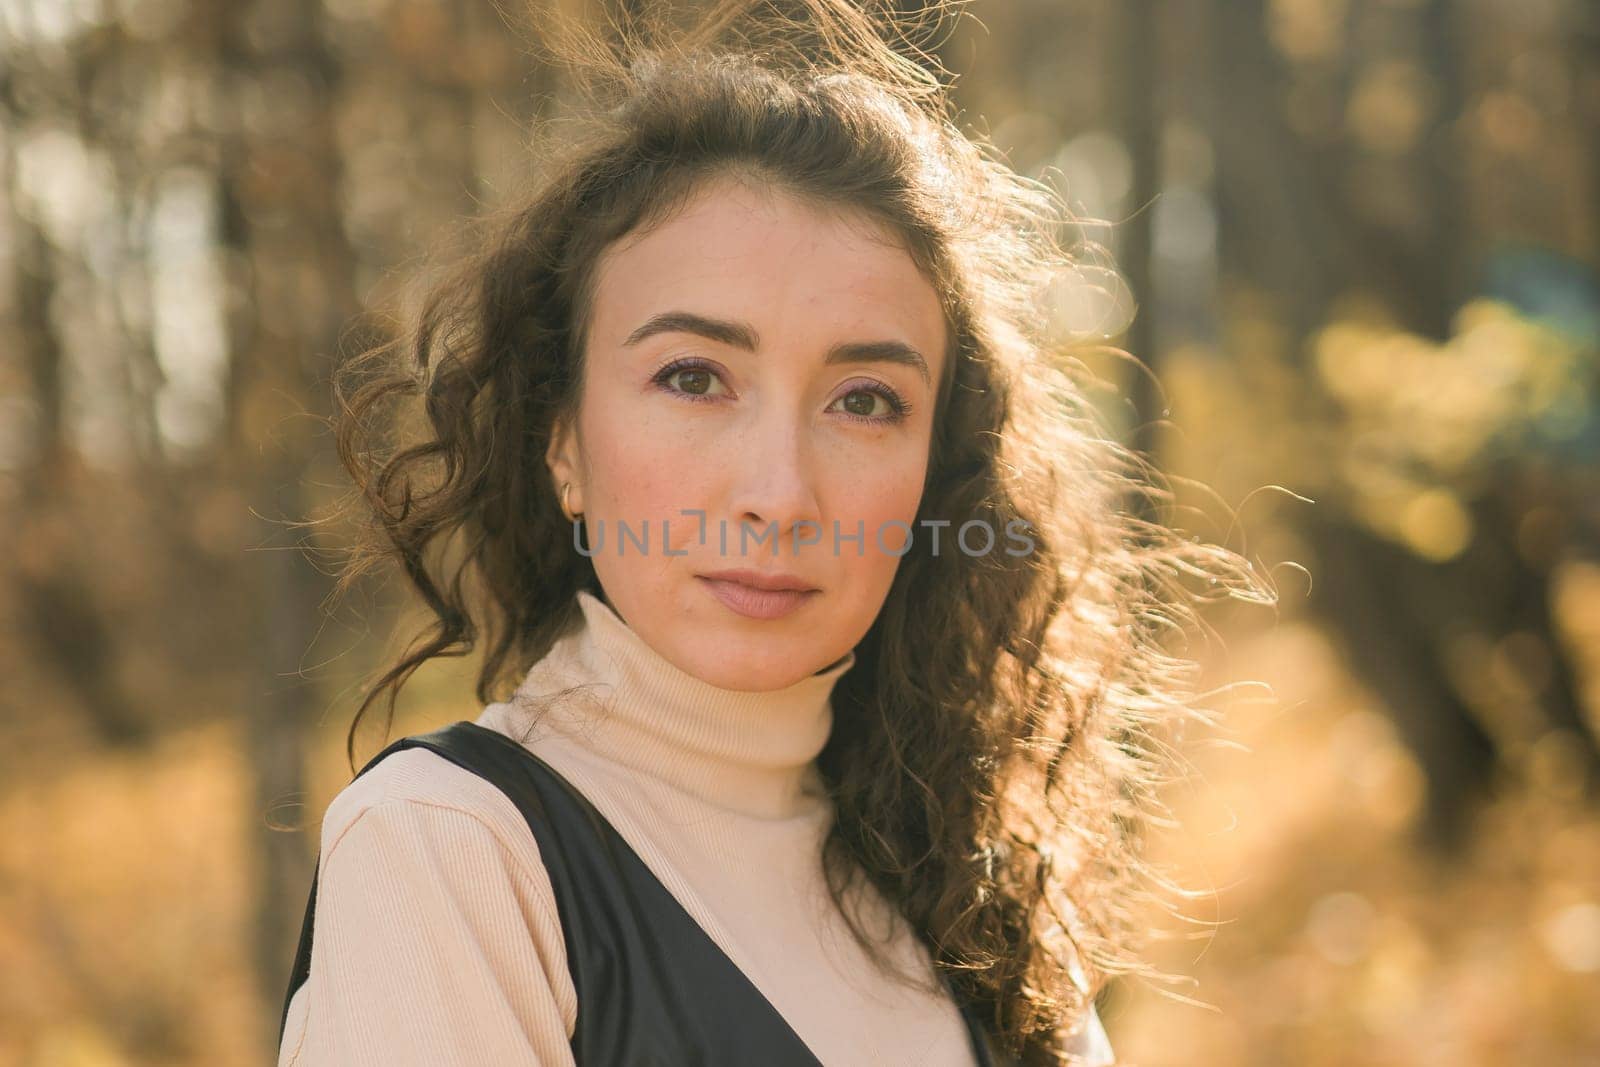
437	940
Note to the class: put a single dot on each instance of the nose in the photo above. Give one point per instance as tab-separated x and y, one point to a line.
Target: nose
773	487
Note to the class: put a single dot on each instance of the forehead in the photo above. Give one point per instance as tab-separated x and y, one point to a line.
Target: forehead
778	261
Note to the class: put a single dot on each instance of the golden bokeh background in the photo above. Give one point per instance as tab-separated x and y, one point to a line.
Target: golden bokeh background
1353	243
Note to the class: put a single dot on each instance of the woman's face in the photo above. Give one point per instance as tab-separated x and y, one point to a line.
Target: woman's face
760	376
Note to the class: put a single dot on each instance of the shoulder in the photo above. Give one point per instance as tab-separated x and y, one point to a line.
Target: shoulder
432	892
421	789
428	842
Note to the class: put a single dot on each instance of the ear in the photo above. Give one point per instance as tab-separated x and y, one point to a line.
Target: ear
564	458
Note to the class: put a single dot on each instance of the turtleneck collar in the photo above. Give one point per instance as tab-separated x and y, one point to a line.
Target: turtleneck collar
750	752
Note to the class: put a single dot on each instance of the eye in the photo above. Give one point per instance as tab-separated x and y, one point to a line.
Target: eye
695	379
874	403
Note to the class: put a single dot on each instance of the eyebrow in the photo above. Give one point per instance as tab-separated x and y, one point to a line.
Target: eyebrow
743	335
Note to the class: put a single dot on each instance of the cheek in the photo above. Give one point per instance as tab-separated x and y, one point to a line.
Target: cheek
639	470
883	499
881	493
888	496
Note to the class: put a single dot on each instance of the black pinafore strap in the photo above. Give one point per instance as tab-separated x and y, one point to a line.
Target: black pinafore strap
652	986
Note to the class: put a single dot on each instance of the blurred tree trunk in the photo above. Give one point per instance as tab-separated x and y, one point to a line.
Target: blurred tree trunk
1136	45
66	632
292	280
1447	236
40	348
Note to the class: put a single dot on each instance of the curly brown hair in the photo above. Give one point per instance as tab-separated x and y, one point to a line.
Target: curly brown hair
995	748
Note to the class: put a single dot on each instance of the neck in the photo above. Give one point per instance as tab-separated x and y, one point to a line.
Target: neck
750	752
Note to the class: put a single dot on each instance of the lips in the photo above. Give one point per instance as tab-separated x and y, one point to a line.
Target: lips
770	581
758	602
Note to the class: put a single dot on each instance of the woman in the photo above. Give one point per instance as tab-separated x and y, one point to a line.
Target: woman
830	648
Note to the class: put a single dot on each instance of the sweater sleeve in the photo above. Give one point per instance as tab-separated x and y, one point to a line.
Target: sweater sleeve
434	943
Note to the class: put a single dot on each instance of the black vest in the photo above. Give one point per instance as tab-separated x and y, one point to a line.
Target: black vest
653	988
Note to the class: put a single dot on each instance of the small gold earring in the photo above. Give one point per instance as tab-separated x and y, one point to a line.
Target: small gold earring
566	508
